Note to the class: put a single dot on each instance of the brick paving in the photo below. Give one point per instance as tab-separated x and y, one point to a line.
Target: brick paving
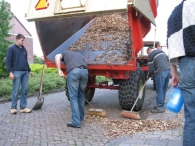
47	127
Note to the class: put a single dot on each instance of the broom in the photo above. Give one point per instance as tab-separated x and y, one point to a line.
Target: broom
130	114
95	112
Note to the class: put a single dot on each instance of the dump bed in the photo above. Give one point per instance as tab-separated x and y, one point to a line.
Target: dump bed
102	40
109	42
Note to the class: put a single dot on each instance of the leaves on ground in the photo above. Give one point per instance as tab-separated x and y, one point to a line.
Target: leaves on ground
115	128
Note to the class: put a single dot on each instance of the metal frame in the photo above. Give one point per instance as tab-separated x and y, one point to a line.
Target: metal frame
143	6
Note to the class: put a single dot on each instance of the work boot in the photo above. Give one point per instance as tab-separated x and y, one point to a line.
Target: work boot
69	124
154	107
13	111
26	110
158	110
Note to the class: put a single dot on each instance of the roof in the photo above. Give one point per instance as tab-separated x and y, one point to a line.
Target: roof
21	24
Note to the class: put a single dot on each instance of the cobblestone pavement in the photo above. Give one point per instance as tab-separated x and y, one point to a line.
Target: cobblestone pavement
47	127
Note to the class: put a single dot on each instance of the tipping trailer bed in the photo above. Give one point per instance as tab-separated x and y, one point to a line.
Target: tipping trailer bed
110	50
100	41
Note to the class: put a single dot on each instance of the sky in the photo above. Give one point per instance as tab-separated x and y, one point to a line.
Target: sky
19	8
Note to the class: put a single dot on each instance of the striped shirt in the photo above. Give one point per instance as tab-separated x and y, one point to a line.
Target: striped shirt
157	62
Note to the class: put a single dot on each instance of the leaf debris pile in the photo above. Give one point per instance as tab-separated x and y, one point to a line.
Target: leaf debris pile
107	40
117	128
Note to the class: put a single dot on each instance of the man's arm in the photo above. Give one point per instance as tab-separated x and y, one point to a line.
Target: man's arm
175	75
150	69
29	70
9	62
58	57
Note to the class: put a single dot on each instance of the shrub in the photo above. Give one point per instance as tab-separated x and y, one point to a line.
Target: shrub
37	68
5	17
37	60
51	81
102	78
6	88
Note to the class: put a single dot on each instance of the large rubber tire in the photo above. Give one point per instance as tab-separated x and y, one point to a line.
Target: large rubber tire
129	90
89	93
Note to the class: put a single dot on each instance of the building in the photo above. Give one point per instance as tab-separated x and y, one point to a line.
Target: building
18	27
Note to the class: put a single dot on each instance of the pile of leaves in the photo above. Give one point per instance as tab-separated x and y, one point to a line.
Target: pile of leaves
116	128
107	40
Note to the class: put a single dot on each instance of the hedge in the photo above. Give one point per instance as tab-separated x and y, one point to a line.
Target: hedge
52	81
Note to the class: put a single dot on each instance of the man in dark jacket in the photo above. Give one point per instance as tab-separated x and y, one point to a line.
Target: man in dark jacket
76	81
18	68
159	65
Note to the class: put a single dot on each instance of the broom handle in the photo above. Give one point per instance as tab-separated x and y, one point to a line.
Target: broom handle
90	104
138	96
41	83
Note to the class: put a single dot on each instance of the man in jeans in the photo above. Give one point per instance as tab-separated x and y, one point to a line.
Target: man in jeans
18	68
159	65
181	47
76	81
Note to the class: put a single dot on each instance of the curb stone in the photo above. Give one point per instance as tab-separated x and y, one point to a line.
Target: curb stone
4	100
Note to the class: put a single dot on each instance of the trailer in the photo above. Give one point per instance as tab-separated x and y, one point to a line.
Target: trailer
109	33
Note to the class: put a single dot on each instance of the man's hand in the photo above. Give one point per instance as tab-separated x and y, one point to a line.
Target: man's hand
61	74
31	74
175	80
175	75
11	76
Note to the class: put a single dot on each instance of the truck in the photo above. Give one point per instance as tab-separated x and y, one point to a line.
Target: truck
108	33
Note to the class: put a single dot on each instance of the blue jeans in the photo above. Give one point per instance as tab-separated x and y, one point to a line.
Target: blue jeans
162	82
21	77
187	85
77	81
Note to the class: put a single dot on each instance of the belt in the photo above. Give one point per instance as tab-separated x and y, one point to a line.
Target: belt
83	67
20	70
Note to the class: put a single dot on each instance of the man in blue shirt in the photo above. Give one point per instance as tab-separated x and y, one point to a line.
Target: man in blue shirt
18	68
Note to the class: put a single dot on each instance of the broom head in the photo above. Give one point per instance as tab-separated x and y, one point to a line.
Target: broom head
130	115
97	112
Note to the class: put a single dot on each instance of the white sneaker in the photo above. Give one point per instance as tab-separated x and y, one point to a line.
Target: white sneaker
26	110
13	111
